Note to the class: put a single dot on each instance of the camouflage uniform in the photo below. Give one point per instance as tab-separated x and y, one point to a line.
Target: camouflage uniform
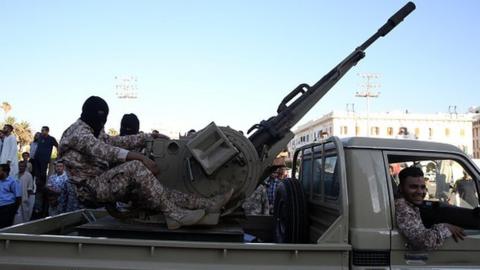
410	225
257	203
87	160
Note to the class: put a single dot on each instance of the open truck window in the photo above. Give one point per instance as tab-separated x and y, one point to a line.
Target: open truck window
452	189
447	181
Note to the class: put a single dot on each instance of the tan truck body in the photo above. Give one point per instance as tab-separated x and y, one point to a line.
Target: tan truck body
356	230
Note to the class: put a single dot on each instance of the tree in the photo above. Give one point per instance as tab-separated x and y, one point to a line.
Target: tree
22	131
6	107
112	132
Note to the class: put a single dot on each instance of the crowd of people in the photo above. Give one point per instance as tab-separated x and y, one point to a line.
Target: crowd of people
27	191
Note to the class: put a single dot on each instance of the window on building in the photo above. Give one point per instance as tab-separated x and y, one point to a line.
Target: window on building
447	132
374	130
308	138
390	131
357	130
430	132
462	132
343	130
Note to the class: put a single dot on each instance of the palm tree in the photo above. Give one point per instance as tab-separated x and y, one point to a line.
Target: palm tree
22	131
112	132
6	107
9	120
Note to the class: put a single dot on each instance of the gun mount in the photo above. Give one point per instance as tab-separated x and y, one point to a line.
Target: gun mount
217	159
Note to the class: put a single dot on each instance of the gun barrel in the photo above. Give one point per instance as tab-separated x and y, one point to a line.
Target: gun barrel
390	24
304	97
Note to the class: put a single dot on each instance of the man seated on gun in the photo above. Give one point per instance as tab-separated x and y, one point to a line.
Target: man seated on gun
412	191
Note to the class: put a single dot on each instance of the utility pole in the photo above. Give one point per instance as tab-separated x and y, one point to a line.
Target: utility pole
452	109
126	87
366	93
350	107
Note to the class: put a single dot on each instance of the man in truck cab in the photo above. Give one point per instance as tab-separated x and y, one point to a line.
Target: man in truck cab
87	153
412	191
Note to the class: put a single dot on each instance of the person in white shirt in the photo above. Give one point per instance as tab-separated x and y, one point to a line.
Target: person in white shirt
9	150
25	210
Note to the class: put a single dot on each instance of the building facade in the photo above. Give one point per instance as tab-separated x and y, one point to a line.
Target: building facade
476	131
449	128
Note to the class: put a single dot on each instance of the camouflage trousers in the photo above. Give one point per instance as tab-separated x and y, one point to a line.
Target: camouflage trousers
132	181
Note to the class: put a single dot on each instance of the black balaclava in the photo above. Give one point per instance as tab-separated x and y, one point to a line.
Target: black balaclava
130	125
94	113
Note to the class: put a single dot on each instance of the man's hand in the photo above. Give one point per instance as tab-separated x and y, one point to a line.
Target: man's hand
457	232
151	165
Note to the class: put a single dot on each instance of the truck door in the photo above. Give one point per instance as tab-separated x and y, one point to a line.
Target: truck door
320	168
451	180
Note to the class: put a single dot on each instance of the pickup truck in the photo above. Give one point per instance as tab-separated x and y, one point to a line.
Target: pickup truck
336	212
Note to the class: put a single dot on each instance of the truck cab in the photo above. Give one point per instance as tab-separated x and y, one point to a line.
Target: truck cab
349	188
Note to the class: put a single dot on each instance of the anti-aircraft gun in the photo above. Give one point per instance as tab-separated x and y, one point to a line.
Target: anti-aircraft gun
217	159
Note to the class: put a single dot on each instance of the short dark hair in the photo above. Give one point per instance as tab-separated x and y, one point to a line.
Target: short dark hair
409	171
46	127
9	126
5	168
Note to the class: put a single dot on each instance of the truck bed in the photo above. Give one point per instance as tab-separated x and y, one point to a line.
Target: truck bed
55	243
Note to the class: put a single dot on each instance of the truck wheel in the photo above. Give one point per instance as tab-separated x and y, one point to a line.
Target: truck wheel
290	219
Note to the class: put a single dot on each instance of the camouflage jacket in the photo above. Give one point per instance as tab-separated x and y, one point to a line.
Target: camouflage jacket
86	157
410	225
257	203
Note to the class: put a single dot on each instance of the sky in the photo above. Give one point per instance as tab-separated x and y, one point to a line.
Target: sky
231	62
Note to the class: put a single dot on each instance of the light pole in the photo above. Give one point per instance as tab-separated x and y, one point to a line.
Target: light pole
367	94
126	87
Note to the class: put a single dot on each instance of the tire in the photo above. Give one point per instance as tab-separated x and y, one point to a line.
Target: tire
290	218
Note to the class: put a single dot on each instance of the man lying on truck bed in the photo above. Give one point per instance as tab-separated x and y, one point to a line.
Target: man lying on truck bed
412	191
